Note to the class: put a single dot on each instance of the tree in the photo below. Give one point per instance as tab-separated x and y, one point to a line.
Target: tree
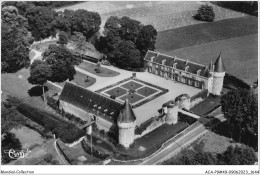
238	155
125	55
61	24
40	20
15	40
205	13
80	42
146	39
63	38
240	107
40	72
131	33
61	62
9	141
86	22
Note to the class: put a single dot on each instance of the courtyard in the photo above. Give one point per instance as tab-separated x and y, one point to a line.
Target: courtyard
137	92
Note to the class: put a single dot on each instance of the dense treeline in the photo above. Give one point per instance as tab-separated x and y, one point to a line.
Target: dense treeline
249	7
25	22
234	155
51	4
240	108
126	41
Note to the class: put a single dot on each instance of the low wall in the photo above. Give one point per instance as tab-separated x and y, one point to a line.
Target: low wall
155	124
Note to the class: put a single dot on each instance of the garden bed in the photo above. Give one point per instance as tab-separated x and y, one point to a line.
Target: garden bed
104	72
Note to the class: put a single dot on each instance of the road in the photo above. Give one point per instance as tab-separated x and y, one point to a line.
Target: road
179	144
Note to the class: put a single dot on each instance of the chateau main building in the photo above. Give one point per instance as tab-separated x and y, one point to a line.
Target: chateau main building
200	76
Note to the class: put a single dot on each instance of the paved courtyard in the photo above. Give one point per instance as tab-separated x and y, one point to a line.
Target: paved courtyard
149	109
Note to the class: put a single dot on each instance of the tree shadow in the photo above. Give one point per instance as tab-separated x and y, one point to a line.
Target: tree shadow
36	91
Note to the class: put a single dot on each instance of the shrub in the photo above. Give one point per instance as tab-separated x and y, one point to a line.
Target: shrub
95	152
205	13
186	119
67	132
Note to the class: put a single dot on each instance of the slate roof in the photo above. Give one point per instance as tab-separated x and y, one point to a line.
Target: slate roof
219	65
181	64
90	101
127	114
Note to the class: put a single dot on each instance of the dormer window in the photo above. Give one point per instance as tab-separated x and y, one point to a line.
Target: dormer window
163	62
152	58
198	72
186	68
174	65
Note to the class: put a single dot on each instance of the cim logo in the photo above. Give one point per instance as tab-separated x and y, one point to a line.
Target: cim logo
14	154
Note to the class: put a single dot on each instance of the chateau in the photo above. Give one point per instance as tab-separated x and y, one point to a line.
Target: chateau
200	76
114	116
109	113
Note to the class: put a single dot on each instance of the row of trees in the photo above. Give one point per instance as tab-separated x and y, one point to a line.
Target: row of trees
15	40
240	108
234	155
126	41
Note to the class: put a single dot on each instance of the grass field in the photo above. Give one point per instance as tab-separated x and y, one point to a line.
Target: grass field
205	32
27	137
79	79
104	72
240	55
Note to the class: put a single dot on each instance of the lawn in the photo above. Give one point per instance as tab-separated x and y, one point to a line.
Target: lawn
240	55
27	137
104	72
16	84
206	106
80	79
43	46
206	32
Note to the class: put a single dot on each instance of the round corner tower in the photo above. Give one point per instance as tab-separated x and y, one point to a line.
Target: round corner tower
126	125
218	76
171	110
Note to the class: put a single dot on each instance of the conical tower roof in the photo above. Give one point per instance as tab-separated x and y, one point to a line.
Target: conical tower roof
126	114
219	66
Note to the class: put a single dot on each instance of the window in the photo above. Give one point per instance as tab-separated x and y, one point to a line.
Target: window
183	79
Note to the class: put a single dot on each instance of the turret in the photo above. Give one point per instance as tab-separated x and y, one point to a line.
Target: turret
218	76
126	125
171	109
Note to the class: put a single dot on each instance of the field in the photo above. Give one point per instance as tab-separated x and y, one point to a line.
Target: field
240	55
206	32
202	43
104	72
162	15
